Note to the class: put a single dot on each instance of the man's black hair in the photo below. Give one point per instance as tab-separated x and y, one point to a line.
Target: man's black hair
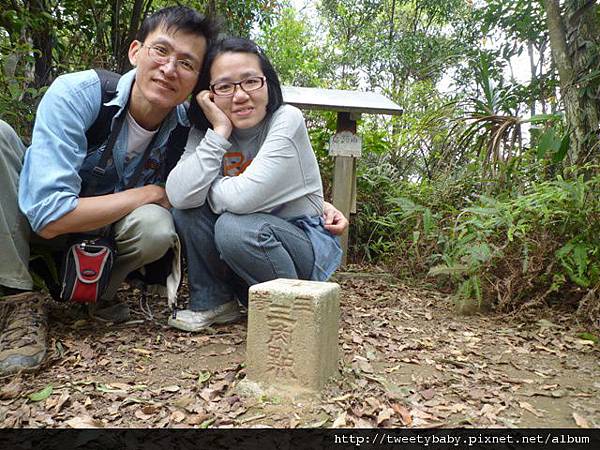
234	45
179	18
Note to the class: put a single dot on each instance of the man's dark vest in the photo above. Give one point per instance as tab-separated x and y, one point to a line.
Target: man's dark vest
100	130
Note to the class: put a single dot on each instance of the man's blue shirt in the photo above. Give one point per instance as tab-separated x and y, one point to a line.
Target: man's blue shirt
58	158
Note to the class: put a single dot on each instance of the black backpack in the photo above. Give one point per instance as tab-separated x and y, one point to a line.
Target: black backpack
100	129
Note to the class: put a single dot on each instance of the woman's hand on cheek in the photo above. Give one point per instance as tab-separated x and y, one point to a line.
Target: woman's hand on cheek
220	122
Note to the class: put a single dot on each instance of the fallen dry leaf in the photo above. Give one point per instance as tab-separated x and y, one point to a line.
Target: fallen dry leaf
184	401
427	394
64	398
528	407
139	413
357	339
209	394
172	388
121	386
84	422
413	352
374	403
422	414
11	390
580	421
178	416
197	419
363	423
141	351
365	366
404	414
151	409
340	421
490	412
384	414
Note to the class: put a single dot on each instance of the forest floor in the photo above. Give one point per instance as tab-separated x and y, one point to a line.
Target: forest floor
407	360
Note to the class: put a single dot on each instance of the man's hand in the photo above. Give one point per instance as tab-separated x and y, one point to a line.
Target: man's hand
157	195
335	222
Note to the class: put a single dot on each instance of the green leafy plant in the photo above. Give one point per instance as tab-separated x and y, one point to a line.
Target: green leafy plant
525	249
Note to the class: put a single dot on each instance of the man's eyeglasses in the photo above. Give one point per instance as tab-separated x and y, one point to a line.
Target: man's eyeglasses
227	88
163	55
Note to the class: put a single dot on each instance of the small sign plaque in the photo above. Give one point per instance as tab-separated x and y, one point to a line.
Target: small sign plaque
345	143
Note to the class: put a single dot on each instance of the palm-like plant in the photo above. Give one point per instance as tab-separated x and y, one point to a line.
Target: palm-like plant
489	124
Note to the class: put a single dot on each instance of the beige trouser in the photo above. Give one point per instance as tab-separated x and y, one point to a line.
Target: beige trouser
14	227
142	236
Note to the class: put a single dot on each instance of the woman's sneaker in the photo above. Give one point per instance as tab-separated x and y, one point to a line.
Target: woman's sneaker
23	331
189	320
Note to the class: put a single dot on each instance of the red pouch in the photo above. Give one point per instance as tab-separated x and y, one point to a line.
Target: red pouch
86	269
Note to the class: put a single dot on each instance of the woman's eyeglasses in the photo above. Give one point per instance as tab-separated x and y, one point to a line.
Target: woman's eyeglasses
227	88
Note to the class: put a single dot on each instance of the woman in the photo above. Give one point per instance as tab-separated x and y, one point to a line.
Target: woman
247	189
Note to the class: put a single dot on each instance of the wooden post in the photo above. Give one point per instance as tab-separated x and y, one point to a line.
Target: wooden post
343	178
353	205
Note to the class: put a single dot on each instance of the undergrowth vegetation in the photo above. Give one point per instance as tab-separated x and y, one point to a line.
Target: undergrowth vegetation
525	247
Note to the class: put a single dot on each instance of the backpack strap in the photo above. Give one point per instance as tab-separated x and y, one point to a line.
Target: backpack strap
100	168
175	148
100	129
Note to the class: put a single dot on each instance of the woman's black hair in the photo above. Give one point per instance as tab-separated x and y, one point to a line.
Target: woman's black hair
234	45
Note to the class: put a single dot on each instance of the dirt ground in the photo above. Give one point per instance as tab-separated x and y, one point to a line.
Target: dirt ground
407	360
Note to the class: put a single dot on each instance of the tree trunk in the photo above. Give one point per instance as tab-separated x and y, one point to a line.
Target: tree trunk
572	38
41	37
583	38
116	32
136	19
542	79
211	8
533	69
392	21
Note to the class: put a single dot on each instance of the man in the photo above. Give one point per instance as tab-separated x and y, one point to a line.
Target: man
167	56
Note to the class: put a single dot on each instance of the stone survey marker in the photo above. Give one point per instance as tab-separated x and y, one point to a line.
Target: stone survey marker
293	334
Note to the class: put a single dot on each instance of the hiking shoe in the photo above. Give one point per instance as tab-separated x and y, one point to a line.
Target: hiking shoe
110	310
23	331
189	320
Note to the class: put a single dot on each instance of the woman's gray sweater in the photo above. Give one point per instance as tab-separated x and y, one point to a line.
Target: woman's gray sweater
268	168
